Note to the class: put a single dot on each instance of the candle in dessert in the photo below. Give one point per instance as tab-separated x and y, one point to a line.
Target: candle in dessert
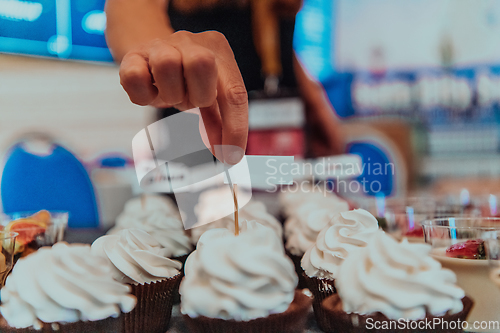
459	244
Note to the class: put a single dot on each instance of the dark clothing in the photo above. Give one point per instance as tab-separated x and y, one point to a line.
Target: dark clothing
236	25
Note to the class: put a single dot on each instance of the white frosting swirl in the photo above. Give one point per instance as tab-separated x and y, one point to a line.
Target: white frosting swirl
135	257
147	203
302	228
254	210
347	232
293	198
62	284
238	277
399	280
159	217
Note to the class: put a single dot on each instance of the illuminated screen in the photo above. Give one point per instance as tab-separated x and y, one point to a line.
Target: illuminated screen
54	28
437	59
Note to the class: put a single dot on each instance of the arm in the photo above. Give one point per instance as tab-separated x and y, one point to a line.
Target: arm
126	28
162	68
324	127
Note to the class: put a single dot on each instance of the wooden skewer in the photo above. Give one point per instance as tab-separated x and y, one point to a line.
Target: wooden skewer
143	201
236	222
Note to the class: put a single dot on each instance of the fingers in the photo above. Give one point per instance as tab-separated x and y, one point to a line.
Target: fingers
233	105
209	77
165	63
200	73
193	70
212	124
136	79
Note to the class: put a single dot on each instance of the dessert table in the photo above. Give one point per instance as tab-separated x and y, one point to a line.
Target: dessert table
177	324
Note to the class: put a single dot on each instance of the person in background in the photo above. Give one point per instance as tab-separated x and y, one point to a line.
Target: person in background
208	53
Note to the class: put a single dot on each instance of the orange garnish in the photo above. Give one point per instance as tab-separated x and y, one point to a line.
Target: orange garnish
27	229
42	216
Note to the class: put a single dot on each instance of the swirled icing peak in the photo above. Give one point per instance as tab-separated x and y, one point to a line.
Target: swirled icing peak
238	277
136	257
253	210
400	280
347	232
159	217
302	228
62	284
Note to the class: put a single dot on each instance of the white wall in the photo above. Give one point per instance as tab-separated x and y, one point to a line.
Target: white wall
82	104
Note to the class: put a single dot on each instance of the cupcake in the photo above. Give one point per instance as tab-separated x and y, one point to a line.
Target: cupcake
64	288
242	283
146	203
321	263
215	209
254	210
391	283
293	197
302	228
138	260
159	217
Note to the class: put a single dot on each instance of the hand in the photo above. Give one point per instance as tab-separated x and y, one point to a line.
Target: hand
185	71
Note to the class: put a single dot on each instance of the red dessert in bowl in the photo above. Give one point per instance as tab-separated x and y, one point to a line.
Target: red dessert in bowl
460	244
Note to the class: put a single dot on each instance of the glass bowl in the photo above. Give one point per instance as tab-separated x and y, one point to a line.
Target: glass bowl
402	217
35	229
8	243
493	250
461	244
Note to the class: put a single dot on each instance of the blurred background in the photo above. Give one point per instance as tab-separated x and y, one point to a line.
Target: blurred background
416	84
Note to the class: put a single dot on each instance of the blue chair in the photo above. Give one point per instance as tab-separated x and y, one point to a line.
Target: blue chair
374	158
57	181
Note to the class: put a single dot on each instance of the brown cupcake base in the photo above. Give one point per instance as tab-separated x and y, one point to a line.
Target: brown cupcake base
298	269
292	320
182	259
321	289
336	320
109	325
154	306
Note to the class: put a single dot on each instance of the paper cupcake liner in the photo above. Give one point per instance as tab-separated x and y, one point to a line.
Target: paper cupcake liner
154	306
298	269
321	289
292	320
109	325
176	296
338	321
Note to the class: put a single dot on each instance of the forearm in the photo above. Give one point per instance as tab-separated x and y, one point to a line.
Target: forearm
324	125
131	23
312	92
